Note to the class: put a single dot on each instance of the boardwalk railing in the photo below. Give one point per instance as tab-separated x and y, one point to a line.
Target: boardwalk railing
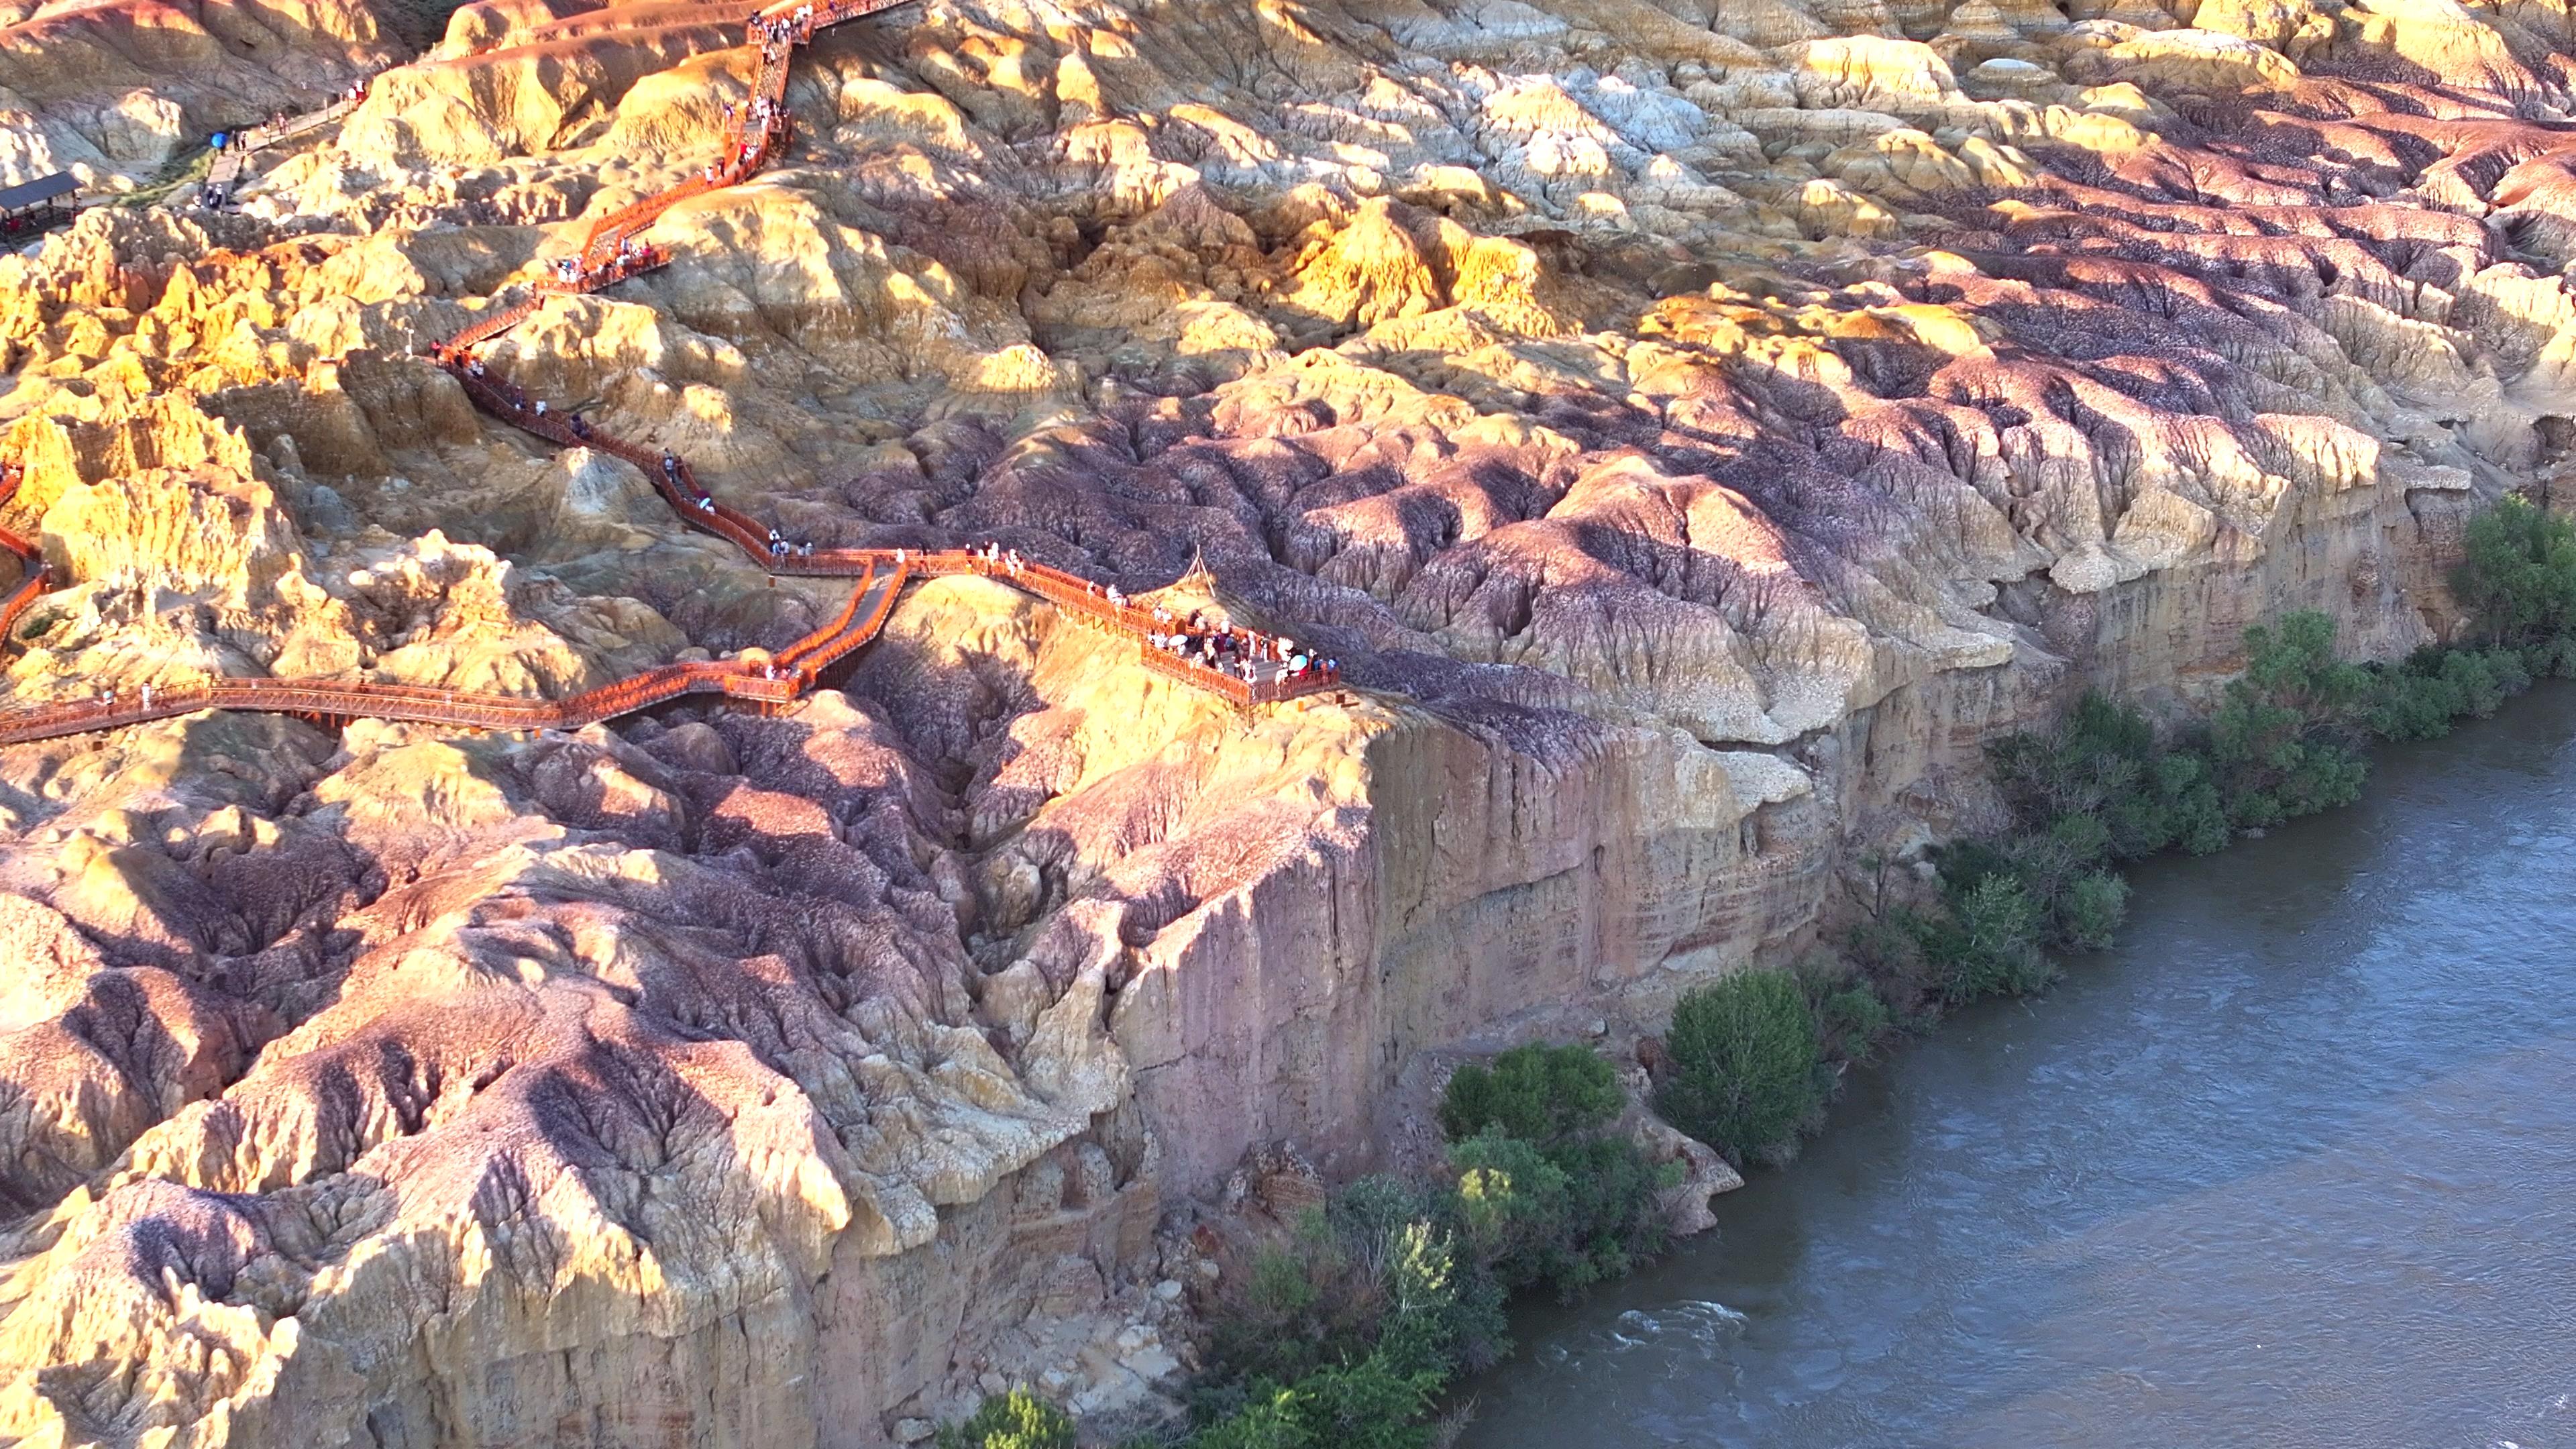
1217	661
35	574
770	686
229	162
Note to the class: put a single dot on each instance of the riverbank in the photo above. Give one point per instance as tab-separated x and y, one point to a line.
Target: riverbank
2275	1169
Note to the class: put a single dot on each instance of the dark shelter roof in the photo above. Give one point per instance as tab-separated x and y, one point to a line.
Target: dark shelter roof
43	188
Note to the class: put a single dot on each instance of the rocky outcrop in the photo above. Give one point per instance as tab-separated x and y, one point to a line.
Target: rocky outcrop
115	91
1694	431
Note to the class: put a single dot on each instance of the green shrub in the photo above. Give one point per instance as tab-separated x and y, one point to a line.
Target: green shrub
1438	1311
2278	740
1568	1216
2100	754
2089	912
1515	1203
1892	949
2412	705
1538	1093
1016	1420
1299	1304
1368	1405
1745	1055
2418	699
1852	1020
2103	763
1266	1420
1989	943
2517	577
1376	1272
2185	808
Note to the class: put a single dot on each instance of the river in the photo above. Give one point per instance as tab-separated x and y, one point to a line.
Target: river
2295	1166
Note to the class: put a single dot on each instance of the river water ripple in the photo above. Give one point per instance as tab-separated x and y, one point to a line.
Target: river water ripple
2295	1166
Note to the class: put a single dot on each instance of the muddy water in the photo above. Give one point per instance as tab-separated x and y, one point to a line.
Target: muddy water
2294	1167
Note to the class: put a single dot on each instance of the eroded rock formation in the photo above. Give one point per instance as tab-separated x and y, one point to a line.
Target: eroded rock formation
1693	428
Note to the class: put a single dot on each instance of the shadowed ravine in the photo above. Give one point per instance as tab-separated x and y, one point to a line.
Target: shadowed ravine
2289	1168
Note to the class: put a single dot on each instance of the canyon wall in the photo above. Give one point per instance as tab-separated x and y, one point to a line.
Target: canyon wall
1694	429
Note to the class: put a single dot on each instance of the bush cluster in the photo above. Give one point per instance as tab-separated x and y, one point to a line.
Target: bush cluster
1551	1194
2517	578
2286	740
1343	1334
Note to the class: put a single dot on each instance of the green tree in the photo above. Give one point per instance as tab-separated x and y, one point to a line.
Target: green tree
2279	739
2517	577
1745	1056
1991	946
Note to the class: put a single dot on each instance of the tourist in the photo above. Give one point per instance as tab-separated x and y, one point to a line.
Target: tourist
541	407
147	696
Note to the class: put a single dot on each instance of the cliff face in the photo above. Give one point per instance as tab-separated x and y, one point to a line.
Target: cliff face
1693	428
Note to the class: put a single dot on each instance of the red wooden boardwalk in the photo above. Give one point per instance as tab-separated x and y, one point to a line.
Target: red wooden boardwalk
1240	665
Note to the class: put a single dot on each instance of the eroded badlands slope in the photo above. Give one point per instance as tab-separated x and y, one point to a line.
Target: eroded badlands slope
1693	428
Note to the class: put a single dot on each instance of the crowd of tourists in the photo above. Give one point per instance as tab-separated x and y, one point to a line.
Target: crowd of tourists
1195	639
216	193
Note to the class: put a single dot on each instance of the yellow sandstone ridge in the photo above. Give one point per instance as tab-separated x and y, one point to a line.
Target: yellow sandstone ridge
1692	430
